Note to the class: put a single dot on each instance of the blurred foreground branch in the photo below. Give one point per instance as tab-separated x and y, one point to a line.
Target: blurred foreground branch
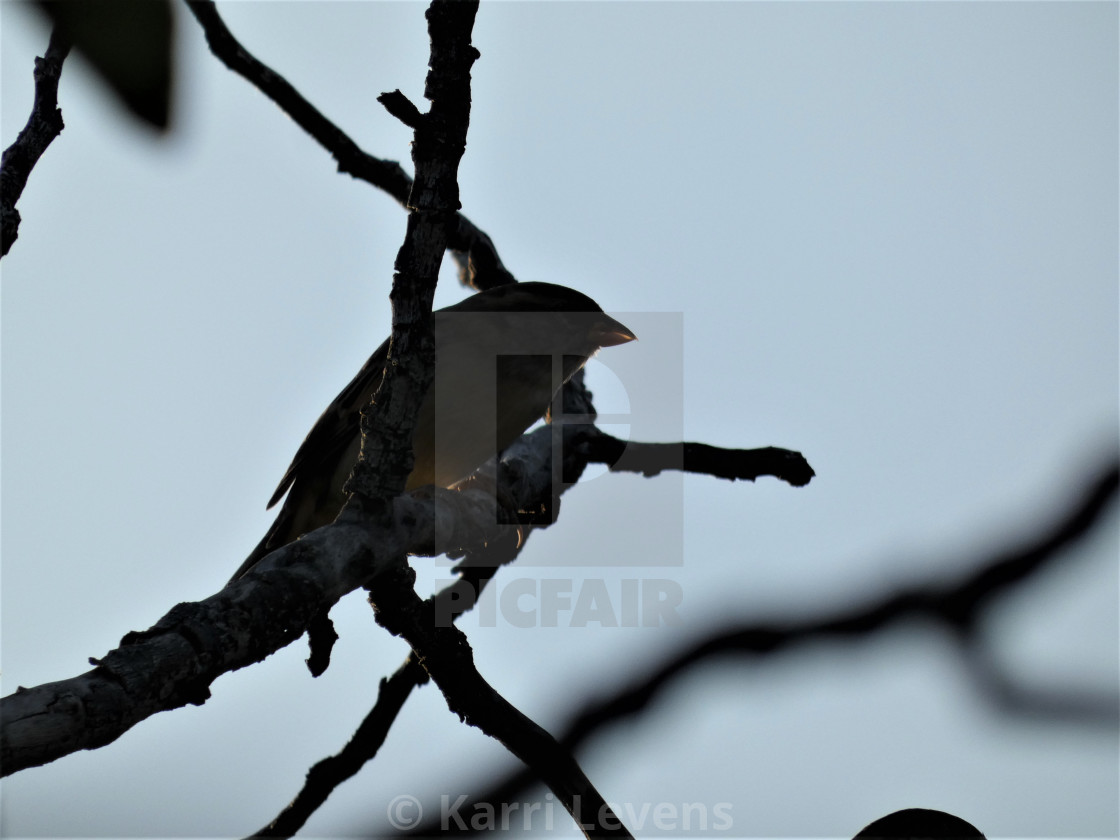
960	606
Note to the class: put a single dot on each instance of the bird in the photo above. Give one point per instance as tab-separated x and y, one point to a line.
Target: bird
501	356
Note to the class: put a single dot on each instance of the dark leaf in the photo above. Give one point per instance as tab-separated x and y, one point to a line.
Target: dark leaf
129	43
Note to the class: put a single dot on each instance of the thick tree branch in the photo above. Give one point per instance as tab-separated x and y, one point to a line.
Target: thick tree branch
479	263
44	124
385	462
439	140
174	662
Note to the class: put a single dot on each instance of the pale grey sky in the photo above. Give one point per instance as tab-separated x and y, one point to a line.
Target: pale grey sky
889	233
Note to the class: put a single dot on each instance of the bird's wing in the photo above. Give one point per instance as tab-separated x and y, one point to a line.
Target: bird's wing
336	428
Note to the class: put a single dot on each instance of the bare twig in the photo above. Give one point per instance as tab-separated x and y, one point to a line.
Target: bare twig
479	263
401	107
44	124
650	459
386	175
329	773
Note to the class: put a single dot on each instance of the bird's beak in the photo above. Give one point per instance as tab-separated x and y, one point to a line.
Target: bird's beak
608	332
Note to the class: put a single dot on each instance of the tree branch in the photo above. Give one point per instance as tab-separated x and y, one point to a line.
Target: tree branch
650	459
401	107
439	140
476	571
479	263
174	662
44	124
332	771
447	657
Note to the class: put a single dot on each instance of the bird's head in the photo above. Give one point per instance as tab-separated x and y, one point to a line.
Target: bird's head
545	313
